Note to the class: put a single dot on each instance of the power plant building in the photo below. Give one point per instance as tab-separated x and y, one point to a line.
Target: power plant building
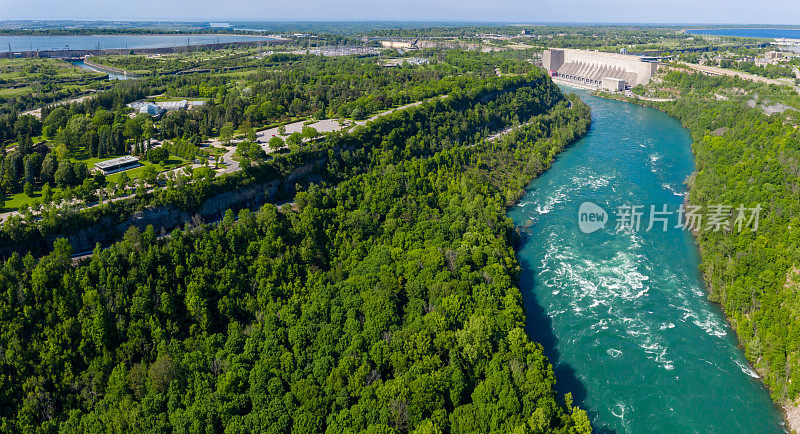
613	84
609	71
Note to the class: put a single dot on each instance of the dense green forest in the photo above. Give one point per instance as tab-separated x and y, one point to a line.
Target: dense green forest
279	90
386	302
486	105
745	157
769	71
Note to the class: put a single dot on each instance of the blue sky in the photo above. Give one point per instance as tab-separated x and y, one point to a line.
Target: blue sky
650	11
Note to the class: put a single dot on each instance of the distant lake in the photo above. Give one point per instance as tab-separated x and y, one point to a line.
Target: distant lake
42	43
749	33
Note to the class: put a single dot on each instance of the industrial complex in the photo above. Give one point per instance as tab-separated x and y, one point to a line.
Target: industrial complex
609	71
157	108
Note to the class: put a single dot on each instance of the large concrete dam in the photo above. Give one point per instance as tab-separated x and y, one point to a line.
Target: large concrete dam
596	69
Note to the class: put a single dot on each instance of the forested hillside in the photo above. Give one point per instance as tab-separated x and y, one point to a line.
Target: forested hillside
745	157
100	127
294	88
385	301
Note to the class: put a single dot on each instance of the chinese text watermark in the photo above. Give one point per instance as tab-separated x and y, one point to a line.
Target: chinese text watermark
716	217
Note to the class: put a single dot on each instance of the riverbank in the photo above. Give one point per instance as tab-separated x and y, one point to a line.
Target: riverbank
623	316
789	410
792	415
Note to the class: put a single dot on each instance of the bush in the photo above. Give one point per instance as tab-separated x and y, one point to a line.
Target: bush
157	155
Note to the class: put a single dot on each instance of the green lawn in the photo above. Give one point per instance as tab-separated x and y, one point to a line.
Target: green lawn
27	73
172	162
9	92
16	201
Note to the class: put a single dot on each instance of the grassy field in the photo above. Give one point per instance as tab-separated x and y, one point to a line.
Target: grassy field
23	76
148	64
173	162
36	69
20	77
16	201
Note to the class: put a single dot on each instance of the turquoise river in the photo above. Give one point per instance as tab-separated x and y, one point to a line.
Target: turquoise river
623	315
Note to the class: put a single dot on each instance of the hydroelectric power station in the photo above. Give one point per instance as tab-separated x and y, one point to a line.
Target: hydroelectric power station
608	71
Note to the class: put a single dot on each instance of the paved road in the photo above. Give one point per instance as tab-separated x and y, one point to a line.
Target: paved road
413	104
263	136
231	165
713	70
323	126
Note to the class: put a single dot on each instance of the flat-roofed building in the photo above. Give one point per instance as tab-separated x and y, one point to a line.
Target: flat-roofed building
613	84
173	105
398	44
117	164
147	108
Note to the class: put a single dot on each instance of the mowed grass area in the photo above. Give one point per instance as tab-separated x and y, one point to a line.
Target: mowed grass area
82	155
149	64
214	150
22	76
173	162
17	201
34	69
72	89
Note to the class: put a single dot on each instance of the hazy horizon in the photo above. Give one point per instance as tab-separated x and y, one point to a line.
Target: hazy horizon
440	22
704	12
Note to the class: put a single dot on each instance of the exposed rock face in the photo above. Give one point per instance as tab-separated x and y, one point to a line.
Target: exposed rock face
167	218
792	409
793	416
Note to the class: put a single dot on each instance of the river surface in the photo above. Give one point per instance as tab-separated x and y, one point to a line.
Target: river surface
623	316
42	43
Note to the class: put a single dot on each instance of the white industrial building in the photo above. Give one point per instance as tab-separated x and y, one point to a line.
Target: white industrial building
592	68
613	84
147	108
